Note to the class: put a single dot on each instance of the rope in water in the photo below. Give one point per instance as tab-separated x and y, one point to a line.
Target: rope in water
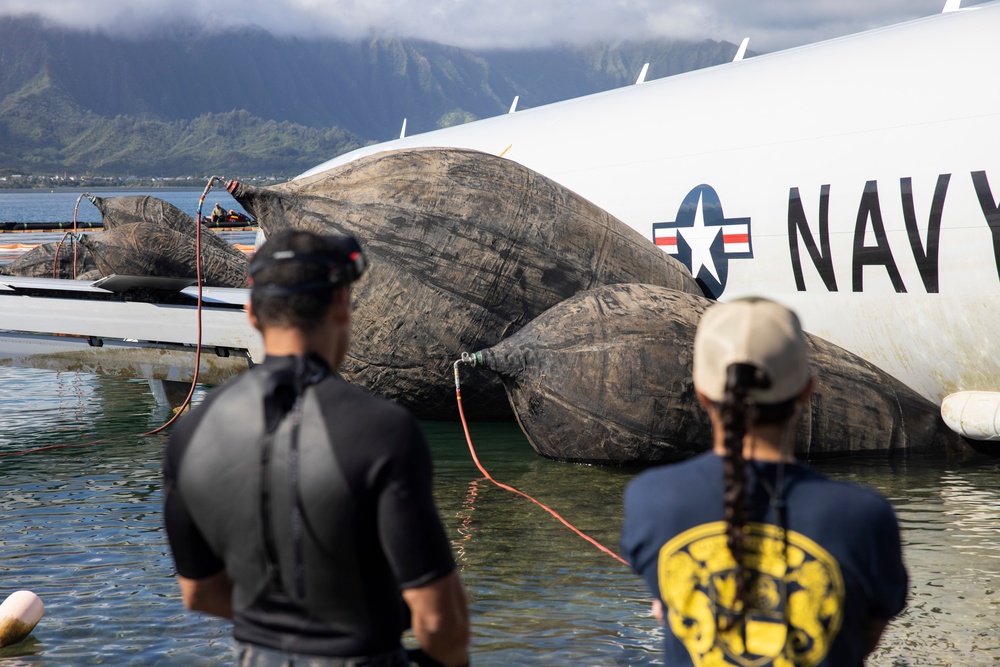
60	446
506	487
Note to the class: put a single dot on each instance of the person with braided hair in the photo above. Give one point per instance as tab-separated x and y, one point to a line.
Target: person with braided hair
752	557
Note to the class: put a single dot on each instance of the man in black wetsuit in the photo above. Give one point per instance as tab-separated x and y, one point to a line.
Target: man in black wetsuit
300	506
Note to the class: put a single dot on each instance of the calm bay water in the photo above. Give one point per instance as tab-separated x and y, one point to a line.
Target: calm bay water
82	528
44	206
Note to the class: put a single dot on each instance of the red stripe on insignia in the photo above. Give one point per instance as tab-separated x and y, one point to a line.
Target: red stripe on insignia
736	238
666	240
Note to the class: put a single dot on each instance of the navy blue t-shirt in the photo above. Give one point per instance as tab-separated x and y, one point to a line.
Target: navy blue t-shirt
814	587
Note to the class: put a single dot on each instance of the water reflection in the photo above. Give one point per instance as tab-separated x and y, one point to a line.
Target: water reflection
82	525
951	540
82	528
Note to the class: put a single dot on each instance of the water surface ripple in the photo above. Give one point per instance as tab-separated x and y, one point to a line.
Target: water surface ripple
82	528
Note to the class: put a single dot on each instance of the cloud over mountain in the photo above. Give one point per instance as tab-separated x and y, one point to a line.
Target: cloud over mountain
482	24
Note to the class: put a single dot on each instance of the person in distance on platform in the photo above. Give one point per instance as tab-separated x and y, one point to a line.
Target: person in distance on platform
218	213
300	506
751	557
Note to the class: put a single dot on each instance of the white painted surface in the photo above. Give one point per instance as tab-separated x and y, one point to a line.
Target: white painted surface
913	101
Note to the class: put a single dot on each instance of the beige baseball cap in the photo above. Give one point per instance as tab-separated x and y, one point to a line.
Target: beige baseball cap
751	331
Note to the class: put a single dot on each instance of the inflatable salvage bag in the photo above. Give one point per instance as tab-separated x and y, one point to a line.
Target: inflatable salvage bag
143	236
146	249
119	211
160	252
465	249
605	377
67	260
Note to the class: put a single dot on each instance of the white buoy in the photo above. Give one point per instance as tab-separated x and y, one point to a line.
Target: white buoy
19	614
973	414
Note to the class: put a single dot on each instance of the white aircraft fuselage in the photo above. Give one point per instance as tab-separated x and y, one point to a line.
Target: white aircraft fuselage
855	180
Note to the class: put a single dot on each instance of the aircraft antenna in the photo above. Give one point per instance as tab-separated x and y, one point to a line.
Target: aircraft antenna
740	52
642	74
402	132
952	6
513	105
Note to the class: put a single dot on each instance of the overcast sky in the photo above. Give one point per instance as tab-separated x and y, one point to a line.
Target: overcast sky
770	24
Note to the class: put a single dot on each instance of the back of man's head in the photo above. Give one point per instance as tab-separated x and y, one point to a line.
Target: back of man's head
295	274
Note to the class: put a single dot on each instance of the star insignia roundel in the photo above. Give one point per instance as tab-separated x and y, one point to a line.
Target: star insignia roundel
704	240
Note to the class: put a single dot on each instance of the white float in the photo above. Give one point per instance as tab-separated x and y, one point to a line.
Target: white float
19	614
974	414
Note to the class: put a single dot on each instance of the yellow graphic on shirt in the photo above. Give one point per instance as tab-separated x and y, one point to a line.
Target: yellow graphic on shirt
796	597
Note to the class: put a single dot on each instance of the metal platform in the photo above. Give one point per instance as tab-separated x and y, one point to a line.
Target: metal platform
74	326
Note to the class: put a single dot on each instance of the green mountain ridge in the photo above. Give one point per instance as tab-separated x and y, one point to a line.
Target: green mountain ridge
183	102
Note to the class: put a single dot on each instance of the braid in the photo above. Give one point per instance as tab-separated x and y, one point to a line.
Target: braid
736	415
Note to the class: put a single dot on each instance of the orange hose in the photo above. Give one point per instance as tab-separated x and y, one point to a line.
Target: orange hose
487	475
48	447
197	349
